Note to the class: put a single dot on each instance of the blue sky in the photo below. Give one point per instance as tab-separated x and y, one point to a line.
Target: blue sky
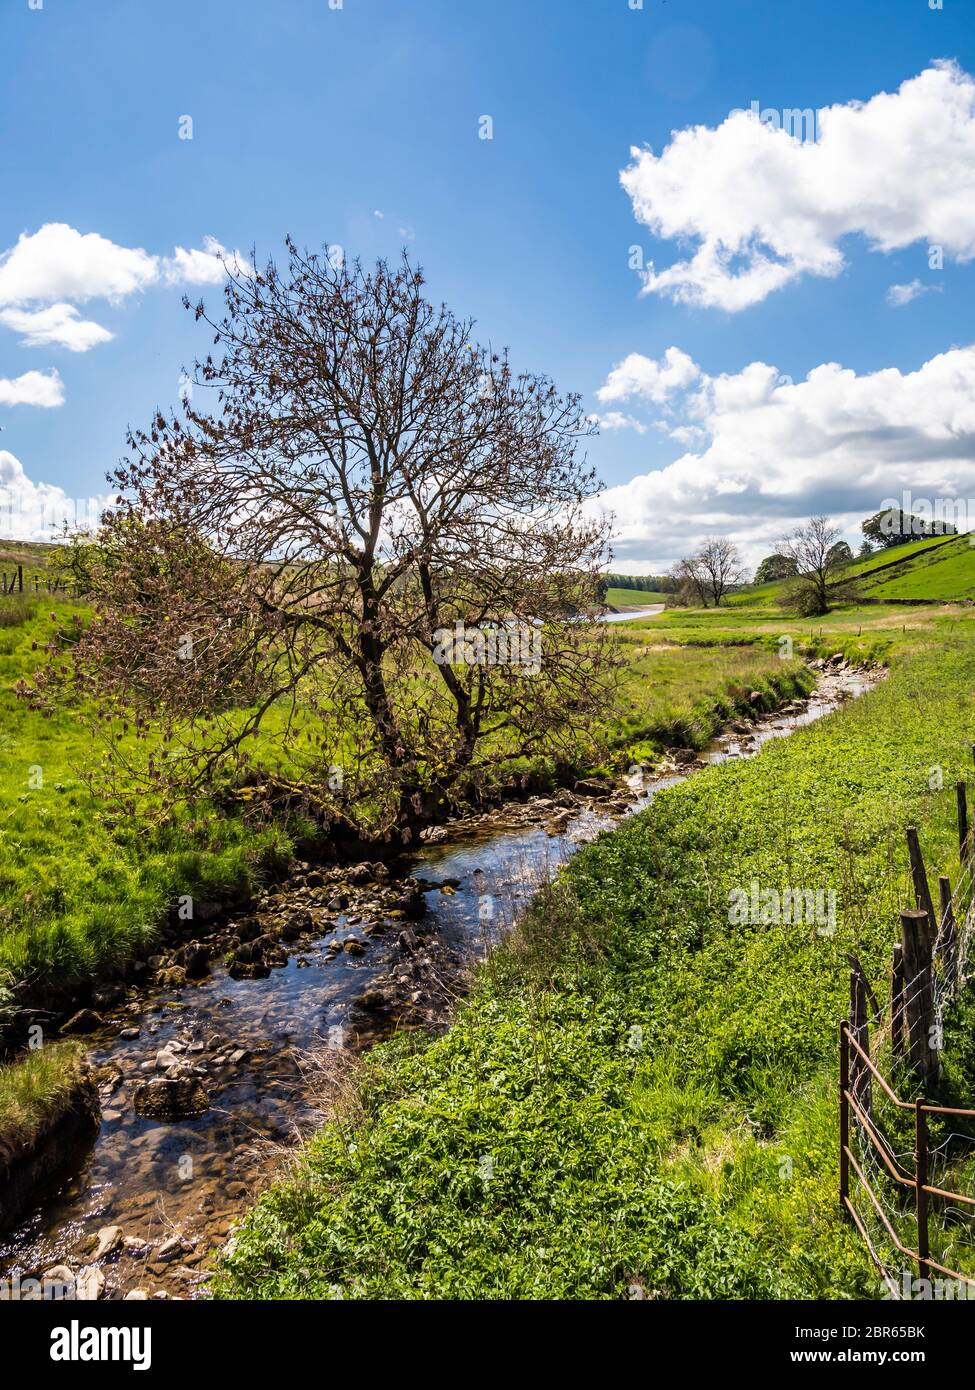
311	120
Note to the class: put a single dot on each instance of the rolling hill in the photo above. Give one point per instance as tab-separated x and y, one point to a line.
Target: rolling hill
936	570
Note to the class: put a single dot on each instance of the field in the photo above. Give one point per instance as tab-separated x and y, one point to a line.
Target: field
82	889
639	1098
633	598
933	572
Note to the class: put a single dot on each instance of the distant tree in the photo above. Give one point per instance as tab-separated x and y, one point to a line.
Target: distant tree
841	554
866	549
775	567
815	551
895	527
690	587
707	576
721	564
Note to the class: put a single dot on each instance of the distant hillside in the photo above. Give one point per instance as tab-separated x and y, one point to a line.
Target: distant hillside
26	553
936	570
32	556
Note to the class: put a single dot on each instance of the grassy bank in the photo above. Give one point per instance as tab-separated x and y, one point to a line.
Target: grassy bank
82	888
639	1097
35	1093
677	694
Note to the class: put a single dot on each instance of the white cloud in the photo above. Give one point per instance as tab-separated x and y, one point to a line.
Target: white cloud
899	295
654	380
616	420
32	511
772	453
48	269
60	325
57	262
766	207
206	267
32	388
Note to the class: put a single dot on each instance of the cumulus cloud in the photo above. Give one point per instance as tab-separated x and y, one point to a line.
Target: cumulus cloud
48	271
203	267
654	380
771	453
59	326
765	207
32	388
32	511
57	262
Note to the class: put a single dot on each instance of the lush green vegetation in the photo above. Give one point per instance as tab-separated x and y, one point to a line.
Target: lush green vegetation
642	583
678	693
936	571
36	1091
82	887
639	1095
634	598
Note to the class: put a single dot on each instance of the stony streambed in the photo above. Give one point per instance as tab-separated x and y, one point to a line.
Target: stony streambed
207	1073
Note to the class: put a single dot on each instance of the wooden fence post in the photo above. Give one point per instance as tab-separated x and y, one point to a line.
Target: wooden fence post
922	893
861	1088
918	988
20	578
964	839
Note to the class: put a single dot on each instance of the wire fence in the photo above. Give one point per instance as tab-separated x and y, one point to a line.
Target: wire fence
897	1155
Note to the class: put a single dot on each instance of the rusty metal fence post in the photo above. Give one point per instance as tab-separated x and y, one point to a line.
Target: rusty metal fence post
920	1183
844	1119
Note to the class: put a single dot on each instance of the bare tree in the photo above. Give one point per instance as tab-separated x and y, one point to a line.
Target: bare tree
367	554
819	563
706	576
719	562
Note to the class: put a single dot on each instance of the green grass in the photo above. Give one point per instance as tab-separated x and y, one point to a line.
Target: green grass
937	569
640	1095
934	573
679	695
36	1091
81	888
634	598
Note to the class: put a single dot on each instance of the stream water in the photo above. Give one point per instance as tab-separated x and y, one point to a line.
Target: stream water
249	1040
